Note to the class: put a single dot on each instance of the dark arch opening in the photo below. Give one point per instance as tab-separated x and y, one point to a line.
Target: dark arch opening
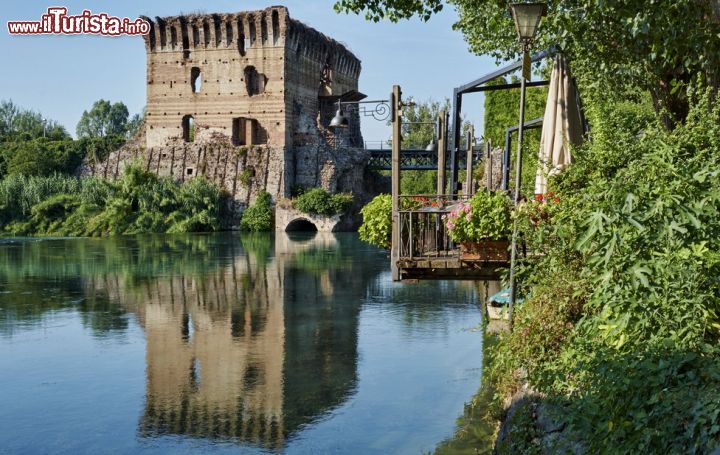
301	225
188	128
275	26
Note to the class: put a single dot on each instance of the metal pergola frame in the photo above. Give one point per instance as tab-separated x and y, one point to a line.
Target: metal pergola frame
477	86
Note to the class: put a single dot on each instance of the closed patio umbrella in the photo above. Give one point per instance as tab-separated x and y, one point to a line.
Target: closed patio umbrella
562	125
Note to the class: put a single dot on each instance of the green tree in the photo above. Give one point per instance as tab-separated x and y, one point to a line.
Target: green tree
41	157
134	124
657	45
104	119
418	130
21	124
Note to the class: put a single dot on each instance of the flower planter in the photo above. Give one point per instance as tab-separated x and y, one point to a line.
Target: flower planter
485	250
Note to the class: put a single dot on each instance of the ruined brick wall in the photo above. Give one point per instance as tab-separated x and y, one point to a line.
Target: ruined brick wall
235	63
318	71
245	99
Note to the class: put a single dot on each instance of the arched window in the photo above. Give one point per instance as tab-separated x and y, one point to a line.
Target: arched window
195	79
188	127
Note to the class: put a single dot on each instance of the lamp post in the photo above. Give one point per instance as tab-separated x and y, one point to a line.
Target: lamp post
527	18
390	108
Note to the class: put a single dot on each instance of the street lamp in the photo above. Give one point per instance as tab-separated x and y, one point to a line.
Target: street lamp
527	18
340	120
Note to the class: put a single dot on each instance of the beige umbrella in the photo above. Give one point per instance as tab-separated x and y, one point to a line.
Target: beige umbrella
562	125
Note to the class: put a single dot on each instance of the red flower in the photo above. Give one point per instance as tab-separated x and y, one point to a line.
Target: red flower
550	194
556	200
539	197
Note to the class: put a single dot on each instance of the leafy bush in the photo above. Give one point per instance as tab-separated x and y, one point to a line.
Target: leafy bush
246	176
376	228
259	216
623	325
320	202
485	217
139	202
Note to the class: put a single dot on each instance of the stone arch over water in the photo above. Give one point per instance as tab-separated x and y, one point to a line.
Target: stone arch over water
301	224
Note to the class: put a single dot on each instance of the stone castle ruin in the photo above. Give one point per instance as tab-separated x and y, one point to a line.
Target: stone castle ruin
245	99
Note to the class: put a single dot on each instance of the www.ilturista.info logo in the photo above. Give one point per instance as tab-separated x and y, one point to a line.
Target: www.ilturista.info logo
57	22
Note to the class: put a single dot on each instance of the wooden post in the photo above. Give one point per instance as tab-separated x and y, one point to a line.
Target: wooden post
395	104
442	152
469	162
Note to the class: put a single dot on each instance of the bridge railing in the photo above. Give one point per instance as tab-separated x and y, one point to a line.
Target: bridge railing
423	233
414	159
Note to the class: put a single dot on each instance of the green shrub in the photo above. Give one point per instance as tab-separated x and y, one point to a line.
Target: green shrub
139	202
376	228
246	176
259	216
320	202
623	324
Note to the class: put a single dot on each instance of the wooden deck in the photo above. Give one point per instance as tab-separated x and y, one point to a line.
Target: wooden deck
450	268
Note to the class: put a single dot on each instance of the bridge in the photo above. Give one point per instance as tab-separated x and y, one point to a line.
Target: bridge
416	159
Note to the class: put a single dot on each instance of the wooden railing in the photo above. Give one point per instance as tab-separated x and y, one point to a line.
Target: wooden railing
423	233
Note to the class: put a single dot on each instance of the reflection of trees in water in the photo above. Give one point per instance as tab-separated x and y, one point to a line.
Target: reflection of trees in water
62	274
248	338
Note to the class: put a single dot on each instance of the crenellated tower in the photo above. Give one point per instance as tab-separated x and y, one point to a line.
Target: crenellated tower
245	99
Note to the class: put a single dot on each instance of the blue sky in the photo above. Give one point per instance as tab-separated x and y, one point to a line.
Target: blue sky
61	76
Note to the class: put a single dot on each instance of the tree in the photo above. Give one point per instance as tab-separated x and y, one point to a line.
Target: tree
418	130
42	157
660	46
20	124
134	124
104	119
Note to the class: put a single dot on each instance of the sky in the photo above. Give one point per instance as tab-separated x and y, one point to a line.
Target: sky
61	76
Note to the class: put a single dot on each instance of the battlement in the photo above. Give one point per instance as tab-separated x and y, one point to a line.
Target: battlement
270	27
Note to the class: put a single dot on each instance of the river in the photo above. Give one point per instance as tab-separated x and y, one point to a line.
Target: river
228	343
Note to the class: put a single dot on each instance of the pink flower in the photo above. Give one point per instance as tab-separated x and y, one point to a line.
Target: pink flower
467	209
450	225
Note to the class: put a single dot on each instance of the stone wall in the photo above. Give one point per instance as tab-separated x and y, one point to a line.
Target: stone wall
497	157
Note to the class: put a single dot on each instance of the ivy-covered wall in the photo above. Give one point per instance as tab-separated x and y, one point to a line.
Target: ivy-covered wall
502	111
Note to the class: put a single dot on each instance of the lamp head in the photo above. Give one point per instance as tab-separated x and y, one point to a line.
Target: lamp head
339	121
527	18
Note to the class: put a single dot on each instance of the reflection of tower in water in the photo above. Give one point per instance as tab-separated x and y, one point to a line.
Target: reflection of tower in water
250	352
